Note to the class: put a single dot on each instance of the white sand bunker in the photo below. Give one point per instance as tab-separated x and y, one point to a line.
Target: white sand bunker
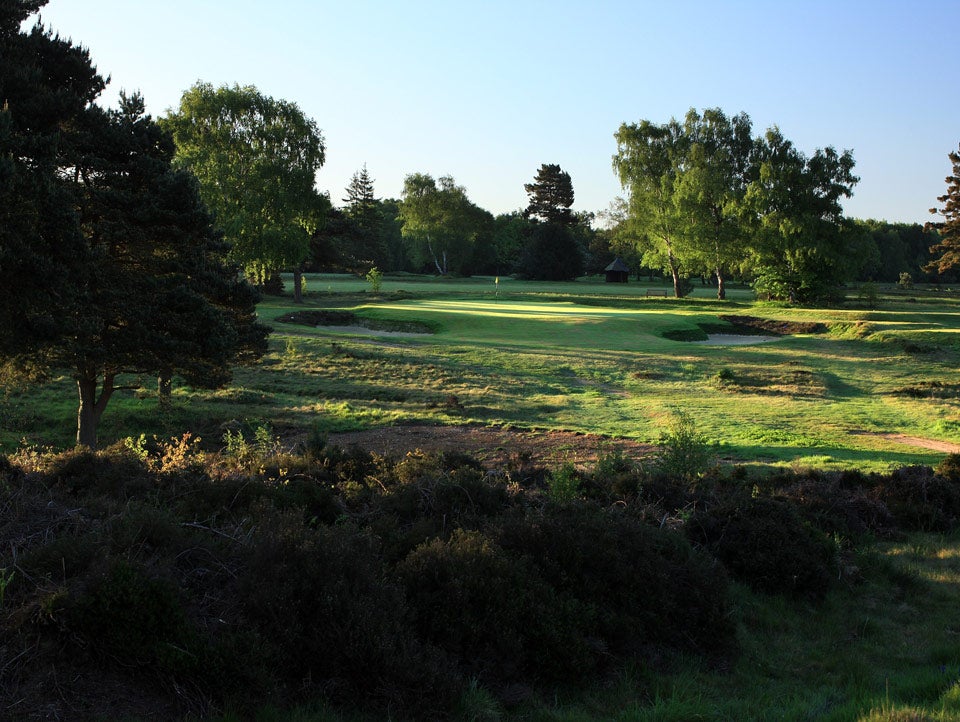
363	330
730	339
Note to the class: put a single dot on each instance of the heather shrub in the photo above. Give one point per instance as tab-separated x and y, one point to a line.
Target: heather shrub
949	468
765	544
115	472
423	500
492	612
327	616
836	505
134	619
644	586
921	500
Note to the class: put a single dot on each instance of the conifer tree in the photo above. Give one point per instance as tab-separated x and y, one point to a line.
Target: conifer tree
947	251
551	195
363	210
108	259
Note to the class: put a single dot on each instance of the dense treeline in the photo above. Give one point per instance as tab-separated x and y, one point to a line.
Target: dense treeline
148	579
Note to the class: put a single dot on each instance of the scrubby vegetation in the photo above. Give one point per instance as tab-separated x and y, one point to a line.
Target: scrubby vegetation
203	583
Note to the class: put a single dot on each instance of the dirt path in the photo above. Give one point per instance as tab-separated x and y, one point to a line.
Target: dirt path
932	444
490	445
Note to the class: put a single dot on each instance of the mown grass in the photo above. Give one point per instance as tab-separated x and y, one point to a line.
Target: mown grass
588	357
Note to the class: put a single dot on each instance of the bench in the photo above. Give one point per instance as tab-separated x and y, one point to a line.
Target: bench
657	292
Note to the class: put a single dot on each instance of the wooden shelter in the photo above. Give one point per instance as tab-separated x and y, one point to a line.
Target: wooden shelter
617	272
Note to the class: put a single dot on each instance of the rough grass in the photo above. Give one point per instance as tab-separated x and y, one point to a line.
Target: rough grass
581	356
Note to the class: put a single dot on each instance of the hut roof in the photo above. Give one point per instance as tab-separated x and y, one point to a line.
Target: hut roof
618	265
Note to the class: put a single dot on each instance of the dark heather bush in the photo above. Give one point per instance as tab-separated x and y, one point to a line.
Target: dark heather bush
493	613
331	621
114	473
765	544
949	468
645	586
835	506
422	498
665	491
131	618
920	499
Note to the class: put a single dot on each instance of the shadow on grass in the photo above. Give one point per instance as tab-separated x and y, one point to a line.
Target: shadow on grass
831	455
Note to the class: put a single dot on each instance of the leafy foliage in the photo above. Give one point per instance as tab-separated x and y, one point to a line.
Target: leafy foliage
703	196
440	223
255	158
552	254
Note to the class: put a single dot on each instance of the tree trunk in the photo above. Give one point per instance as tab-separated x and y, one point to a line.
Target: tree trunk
721	287
297	285
675	273
91	407
436	261
164	388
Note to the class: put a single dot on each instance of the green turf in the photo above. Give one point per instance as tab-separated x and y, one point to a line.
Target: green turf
583	356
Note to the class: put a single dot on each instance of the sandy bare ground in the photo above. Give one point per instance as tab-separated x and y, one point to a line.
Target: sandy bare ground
492	446
945	446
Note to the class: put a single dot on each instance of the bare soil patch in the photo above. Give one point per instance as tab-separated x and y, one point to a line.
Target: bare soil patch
489	445
933	444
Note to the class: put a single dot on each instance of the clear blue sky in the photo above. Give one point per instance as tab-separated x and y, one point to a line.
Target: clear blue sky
488	90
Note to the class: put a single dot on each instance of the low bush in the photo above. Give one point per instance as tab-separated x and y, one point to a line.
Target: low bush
765	544
842	504
683	451
329	619
492	612
644	586
921	500
135	619
949	468
116	472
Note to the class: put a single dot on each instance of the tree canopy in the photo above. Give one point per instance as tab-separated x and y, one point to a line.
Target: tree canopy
440	223
362	208
551	195
256	159
703	196
802	246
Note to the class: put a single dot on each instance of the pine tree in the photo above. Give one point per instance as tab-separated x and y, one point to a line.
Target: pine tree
948	249
363	210
551	195
108	259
